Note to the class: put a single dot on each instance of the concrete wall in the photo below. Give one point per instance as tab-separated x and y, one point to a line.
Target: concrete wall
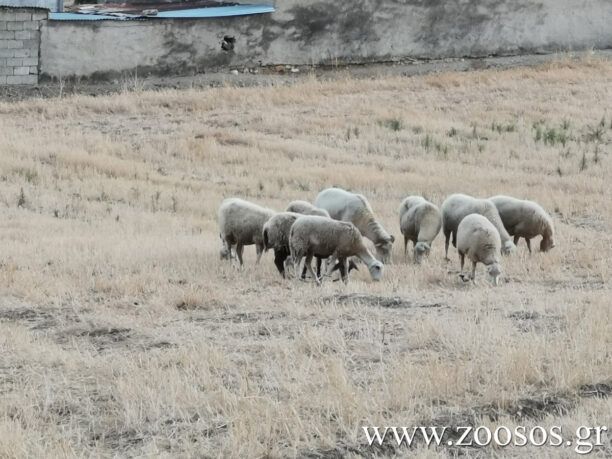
51	5
20	44
327	31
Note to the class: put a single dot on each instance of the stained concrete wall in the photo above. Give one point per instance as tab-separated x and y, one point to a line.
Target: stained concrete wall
51	5
20	44
305	32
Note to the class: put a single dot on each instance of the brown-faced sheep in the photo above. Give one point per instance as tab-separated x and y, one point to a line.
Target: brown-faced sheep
241	223
420	222
458	206
313	236
350	207
479	240
525	219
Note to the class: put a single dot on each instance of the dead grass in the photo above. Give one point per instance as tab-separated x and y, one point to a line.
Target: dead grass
121	333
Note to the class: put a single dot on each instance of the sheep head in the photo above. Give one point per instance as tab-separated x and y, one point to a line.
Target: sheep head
383	249
546	244
421	249
376	270
494	271
508	247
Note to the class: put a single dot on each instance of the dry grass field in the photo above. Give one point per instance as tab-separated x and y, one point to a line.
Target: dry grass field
123	334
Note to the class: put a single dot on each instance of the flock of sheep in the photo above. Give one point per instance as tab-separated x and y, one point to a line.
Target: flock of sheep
333	229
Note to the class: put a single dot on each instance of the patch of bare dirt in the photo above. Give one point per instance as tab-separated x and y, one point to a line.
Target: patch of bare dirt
381	301
531	321
103	338
35	319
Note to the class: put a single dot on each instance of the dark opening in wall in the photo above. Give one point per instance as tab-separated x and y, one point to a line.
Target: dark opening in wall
228	43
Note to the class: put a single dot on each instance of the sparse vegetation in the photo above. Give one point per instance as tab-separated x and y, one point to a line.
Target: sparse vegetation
502	128
122	334
551	135
392	123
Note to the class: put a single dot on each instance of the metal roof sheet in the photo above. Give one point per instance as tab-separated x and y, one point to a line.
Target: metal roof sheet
193	13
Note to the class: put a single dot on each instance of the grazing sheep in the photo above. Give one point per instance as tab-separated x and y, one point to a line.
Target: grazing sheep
322	237
305	208
420	222
525	219
241	223
350	207
479	240
276	236
458	206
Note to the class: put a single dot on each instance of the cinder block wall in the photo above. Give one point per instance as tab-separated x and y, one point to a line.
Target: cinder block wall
20	44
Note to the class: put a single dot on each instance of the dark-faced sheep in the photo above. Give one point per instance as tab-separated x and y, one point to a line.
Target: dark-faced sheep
241	223
525	219
458	206
479	240
420	222
276	236
350	207
313	236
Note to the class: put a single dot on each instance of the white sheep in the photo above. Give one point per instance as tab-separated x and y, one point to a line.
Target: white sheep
276	236
241	223
420	222
306	208
479	240
313	236
350	207
458	206
525	219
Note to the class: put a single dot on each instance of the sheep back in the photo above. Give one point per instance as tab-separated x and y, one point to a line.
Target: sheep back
458	206
523	218
242	221
324	237
306	208
478	239
420	220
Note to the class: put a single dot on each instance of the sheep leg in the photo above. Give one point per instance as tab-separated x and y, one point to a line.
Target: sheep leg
279	261
454	234
319	261
297	260
304	269
239	251
259	250
405	248
446	239
528	241
308	264
343	268
474	272
462	263
516	239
